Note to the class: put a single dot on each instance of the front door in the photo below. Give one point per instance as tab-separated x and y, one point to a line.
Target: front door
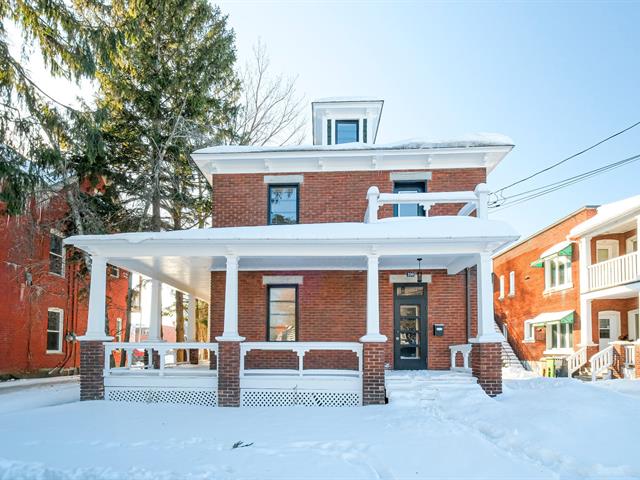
609	328
410	327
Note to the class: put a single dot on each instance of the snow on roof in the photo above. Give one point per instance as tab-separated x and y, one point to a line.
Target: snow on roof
606	213
429	228
347	99
465	141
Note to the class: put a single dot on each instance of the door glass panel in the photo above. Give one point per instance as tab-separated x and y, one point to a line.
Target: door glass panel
409	310
409	352
410	291
409	338
409	324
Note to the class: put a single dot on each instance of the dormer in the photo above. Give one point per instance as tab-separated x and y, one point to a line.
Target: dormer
345	120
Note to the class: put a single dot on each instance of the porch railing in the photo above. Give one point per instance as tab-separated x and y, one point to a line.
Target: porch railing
602	362
465	350
576	360
300	348
139	358
629	355
613	272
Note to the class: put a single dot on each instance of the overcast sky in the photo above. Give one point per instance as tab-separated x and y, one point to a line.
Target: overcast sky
554	78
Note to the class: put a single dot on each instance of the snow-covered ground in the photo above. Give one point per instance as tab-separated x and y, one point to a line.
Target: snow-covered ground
539	428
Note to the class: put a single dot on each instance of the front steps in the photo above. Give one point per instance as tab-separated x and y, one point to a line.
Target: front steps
420	387
509	357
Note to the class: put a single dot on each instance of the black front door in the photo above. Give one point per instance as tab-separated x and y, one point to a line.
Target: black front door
410	326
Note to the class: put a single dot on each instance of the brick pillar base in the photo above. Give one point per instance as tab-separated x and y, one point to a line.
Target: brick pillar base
486	365
373	388
229	374
91	370
617	369
193	356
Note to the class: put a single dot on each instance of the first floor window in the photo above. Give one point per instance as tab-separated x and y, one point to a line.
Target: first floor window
54	330
283	204
559	335
56	254
557	272
283	312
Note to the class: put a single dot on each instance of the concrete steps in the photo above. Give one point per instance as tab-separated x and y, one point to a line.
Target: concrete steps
509	357
419	387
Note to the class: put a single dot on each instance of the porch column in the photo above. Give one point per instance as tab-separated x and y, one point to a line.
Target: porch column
229	343
373	386
586	327
91	343
191	328
155	312
486	350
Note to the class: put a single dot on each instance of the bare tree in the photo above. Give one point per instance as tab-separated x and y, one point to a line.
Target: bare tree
270	110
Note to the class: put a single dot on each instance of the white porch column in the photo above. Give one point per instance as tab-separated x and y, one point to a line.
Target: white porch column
230	333
586	327
486	321
584	252
155	311
191	314
373	303
97	301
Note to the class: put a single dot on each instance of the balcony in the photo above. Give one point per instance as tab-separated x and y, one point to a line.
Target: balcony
612	273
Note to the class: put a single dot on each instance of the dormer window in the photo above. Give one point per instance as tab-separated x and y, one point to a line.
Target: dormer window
347	131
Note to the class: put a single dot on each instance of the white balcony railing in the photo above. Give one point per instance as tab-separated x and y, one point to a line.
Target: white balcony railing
614	272
473	201
139	358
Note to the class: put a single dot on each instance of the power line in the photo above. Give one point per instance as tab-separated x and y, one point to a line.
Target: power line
535	174
552	187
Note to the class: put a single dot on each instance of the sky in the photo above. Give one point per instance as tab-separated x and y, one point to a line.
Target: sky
555	77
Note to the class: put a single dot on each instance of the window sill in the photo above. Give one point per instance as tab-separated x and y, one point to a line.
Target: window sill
529	341
511	295
54	352
56	274
557	289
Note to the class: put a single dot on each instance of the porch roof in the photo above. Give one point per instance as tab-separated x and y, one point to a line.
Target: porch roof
615	217
185	258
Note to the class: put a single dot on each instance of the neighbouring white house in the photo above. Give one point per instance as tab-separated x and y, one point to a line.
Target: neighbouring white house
327	265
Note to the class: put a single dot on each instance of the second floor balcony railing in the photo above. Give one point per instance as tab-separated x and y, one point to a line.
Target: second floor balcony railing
614	272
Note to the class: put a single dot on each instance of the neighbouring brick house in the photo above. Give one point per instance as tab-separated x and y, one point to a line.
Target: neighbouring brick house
43	293
570	292
326	264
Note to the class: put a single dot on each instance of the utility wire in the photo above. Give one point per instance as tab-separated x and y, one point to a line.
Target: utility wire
552	187
535	174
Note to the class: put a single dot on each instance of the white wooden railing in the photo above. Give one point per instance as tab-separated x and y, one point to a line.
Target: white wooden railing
300	348
602	362
576	360
629	355
474	201
613	272
163	349
465	350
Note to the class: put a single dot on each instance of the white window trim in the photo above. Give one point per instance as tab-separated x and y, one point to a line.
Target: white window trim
283	179
60	328
282	280
529	332
557	350
547	274
118	334
117	270
631	327
57	233
501	296
410	176
629	243
612	245
512	284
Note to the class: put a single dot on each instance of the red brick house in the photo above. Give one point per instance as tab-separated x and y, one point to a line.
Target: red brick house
326	265
570	292
43	294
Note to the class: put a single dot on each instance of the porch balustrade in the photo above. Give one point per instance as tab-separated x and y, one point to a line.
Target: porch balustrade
602	362
576	360
465	350
614	272
143	364
629	355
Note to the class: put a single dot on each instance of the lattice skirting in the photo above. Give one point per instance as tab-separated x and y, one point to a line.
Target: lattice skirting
287	398
202	397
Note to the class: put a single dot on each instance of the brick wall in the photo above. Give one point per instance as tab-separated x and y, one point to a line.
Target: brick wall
332	307
241	199
529	299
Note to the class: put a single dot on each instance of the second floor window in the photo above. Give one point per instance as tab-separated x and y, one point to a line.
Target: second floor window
557	273
283	204
411	209
56	254
347	131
